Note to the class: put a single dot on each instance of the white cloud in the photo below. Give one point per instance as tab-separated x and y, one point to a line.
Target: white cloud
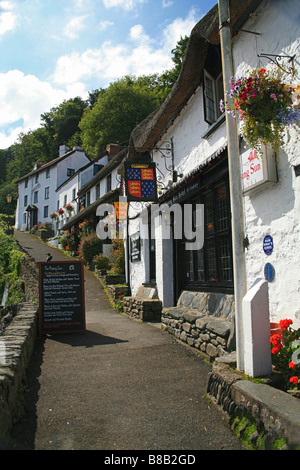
23	98
7	18
179	28
125	4
167	3
104	25
74	26
138	57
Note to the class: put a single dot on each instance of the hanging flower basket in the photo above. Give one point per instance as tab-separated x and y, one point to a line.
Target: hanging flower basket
53	216
61	212
264	104
69	208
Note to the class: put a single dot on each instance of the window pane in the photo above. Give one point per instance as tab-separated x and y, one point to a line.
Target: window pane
211	259
222	208
200	265
209	213
225	259
210	99
189	263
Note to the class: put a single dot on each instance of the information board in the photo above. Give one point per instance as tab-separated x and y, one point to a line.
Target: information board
62	303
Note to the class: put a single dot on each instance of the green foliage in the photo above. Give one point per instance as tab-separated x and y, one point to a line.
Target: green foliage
89	247
10	260
61	122
102	262
123	105
119	257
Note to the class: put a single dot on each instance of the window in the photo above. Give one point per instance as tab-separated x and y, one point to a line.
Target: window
73	194
36	178
213	93
25	201
212	265
65	200
48	173
36	196
24	218
88	198
98	191
108	183
70	172
46	211
47	192
26	183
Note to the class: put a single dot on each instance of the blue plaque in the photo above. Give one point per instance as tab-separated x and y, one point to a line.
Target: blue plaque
268	245
269	272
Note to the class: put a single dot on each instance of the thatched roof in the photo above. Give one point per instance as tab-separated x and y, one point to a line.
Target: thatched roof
206	32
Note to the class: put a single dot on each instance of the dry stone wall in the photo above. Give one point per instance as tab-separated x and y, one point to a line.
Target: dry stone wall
203	321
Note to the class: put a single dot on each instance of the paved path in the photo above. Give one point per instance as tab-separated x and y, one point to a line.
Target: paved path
124	385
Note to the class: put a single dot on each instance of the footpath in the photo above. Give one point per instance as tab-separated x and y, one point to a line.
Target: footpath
115	388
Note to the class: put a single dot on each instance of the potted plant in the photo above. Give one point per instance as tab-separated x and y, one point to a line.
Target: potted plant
264	103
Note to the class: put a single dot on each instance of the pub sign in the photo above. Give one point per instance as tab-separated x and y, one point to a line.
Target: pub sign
140	181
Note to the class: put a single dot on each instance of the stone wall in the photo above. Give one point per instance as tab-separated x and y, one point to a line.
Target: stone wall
203	321
16	347
145	305
262	416
143	309
30	275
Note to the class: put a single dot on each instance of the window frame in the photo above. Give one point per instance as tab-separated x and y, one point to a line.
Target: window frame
218	94
213	240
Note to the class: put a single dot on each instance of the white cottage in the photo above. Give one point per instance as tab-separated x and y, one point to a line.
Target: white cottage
186	138
37	197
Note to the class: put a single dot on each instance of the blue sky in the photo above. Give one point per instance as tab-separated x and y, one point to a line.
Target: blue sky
53	50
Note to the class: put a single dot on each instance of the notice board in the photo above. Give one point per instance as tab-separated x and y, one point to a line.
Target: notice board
62	303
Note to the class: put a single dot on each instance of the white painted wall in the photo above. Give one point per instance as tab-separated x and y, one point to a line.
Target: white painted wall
274	211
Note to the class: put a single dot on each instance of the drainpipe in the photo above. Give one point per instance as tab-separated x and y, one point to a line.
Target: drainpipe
236	198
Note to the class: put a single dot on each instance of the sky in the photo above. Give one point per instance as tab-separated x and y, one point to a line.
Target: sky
54	50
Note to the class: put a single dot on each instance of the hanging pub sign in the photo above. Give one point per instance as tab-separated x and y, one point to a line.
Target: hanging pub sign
140	181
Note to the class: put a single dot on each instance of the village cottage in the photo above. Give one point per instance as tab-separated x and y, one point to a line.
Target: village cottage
186	138
38	198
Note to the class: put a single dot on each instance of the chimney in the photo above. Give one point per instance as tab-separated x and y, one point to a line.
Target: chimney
113	150
62	150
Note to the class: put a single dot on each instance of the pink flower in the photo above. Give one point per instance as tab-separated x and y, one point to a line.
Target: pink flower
272	95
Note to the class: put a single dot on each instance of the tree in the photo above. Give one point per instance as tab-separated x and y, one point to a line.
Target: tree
168	78
62	121
123	105
31	148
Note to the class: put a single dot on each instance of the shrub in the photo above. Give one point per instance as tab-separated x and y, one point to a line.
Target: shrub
119	256
102	262
89	247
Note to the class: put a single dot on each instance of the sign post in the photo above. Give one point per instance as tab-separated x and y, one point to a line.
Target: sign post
62	303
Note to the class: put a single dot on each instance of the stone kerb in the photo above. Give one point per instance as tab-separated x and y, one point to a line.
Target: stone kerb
203	321
144	305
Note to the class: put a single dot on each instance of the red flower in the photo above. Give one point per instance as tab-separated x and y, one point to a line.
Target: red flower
66	247
292	365
284	324
294	380
276	349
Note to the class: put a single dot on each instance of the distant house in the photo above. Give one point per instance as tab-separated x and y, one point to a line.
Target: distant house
67	193
103	187
37	196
